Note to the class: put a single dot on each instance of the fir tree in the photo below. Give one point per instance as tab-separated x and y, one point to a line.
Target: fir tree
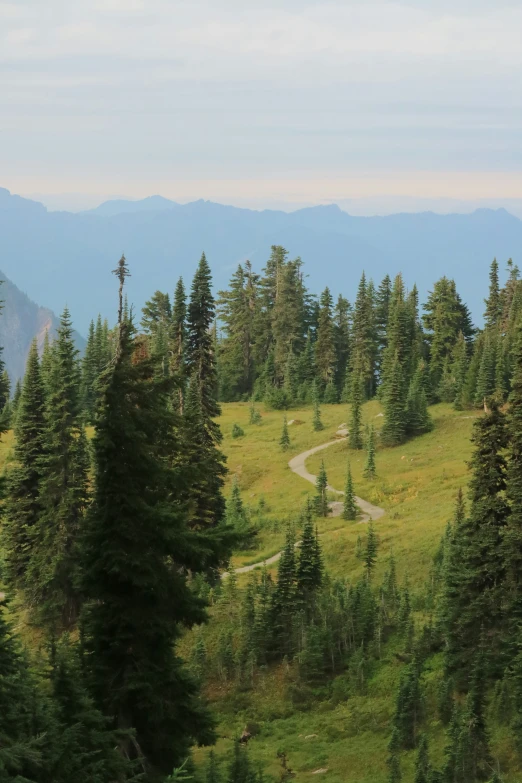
394	428
23	507
178	336
284	440
422	762
52	571
349	504
310	568
355	436
283	601
513	533
370	470
418	419
409	706
325	343
342	339
212	772
370	556
200	349
474	592
316	421
393	760
493	302
321	498
237	516
137	550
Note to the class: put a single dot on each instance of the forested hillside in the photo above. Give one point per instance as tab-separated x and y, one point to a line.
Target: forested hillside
182	604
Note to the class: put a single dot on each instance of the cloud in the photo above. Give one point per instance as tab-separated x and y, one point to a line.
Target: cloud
226	89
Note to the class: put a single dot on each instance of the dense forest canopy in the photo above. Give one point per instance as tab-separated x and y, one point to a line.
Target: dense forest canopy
116	531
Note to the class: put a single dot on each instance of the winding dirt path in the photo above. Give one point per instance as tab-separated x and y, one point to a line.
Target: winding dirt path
298	465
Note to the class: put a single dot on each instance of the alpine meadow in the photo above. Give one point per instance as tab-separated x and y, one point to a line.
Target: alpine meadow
266	534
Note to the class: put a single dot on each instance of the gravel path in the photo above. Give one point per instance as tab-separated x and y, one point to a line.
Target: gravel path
298	465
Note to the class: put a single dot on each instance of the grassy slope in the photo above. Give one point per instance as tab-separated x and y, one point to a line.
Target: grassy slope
416	484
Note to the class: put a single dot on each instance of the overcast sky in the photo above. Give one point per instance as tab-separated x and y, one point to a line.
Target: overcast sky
262	101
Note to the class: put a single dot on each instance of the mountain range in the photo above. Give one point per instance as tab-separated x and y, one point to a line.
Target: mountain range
61	258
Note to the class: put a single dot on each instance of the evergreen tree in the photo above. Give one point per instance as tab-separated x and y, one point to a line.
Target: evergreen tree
325	343
156	311
394	428
409	706
445	316
52	571
283	603
474	593
493	302
422	762
418	420
513	533
310	568
23	507
354	435
342	339
136	553
382	312
486	375
370	471
316	421
237	516
459	370
393	760
89	375
200	349
364	338
370	557
237	310
321	498
212	772
284	440
349	504
178	336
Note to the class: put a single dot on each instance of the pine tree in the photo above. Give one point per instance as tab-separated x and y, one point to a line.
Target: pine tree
22	508
513	534
310	568
87	744
237	517
445	316
355	436
393	760
178	336
486	375
409	706
321	498
283	603
52	571
212	772
316	421
370	557
475	591
90	372
136	553
342	339
156	311
349	504
418	419
370	470
422	762
459	370
325	343
364	337
394	428
200	349
493	302
284	440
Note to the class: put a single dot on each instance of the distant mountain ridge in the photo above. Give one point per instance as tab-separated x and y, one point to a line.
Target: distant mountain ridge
60	257
21	320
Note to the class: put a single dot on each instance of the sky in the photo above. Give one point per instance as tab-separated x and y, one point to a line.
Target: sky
262	103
